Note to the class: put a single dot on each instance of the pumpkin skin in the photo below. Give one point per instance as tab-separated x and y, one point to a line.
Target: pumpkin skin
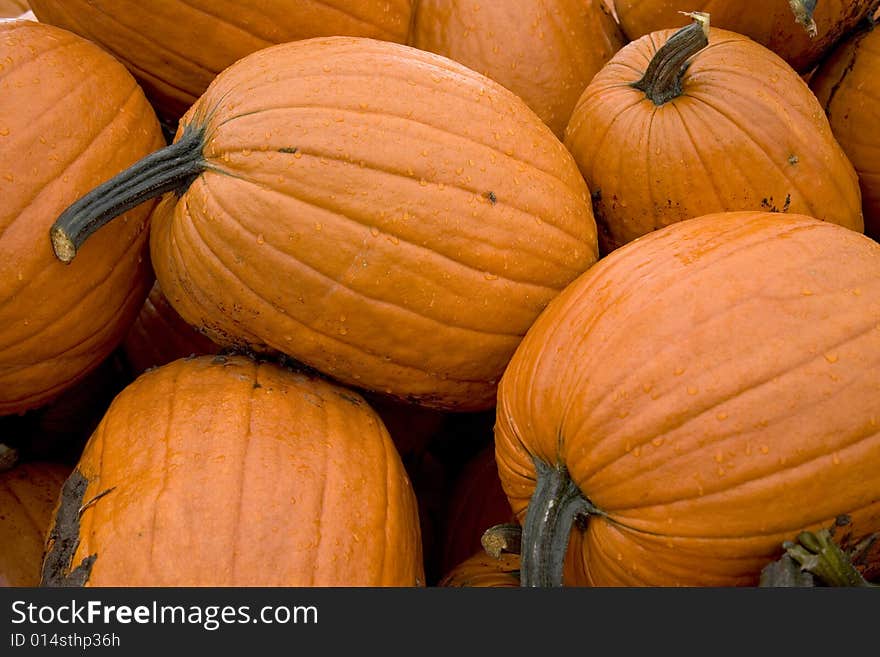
481	570
85	120
417	248
13	8
771	23
223	471
28	494
712	388
544	51
176	47
732	140
159	335
846	85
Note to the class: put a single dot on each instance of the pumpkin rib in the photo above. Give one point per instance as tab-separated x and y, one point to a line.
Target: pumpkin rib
27	510
719	197
322	507
166	462
401	241
97	286
406	120
87	149
336	284
242	460
789	370
783	472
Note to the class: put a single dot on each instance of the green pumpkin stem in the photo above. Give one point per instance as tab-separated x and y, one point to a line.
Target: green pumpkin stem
662	80
818	554
170	169
555	505
803	14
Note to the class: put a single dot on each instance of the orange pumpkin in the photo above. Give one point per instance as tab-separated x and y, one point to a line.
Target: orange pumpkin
28	494
481	570
416	247
800	31
671	129
847	85
223	471
70	117
694	400
12	8
544	51
176	47
159	335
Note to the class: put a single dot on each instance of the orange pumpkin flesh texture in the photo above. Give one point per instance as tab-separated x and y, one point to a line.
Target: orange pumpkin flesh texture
175	48
781	25
28	494
744	132
847	85
380	213
711	389
222	471
545	52
70	117
481	570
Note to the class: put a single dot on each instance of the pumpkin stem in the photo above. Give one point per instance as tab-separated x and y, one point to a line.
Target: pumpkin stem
170	169
662	79
502	539
803	14
818	554
555	505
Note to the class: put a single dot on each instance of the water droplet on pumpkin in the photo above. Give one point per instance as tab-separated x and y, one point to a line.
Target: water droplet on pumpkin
764	449
721	416
693	390
831	357
835	459
423	182
806	293
656	442
318	227
637	451
489	276
245	152
261	239
678	371
9	177
343	331
719	457
4	132
374	231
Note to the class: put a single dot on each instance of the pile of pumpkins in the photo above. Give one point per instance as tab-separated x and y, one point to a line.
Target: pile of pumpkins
438	293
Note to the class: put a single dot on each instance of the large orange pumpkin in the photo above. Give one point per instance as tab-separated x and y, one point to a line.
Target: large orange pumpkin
176	47
800	31
224	471
70	117
695	399
672	129
847	85
12	8
28	494
419	215
546	51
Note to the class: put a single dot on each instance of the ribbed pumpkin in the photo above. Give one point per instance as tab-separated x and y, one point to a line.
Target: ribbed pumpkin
475	503
159	335
28	494
70	117
847	85
671	129
695	399
223	471
380	213
481	570
800	31
545	51
176	47
12	8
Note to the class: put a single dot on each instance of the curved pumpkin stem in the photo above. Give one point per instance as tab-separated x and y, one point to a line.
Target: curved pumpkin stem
501	539
170	169
818	554
555	505
662	79
803	14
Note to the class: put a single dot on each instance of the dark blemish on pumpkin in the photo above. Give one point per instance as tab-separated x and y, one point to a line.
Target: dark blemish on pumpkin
63	539
787	204
793	159
842	520
767	204
219	360
288	149
492	198
256	385
596	196
349	398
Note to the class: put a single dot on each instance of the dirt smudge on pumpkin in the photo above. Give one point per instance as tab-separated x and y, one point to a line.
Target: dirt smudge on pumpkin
63	539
